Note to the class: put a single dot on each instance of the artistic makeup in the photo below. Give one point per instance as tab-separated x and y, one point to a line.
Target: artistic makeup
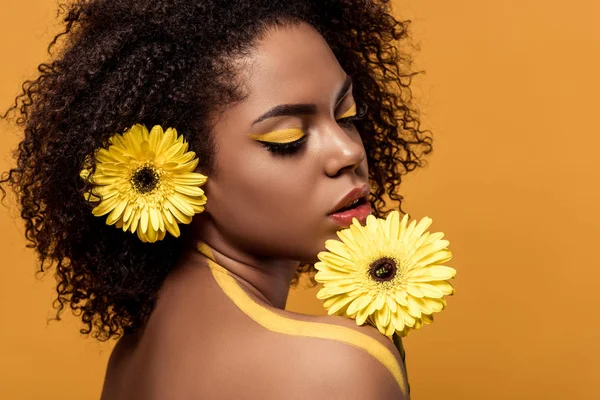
280	136
351	112
288	141
283	141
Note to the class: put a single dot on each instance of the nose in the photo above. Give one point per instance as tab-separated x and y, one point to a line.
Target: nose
344	150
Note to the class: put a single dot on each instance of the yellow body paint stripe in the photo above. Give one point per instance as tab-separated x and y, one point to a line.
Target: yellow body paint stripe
350	113
280	136
288	326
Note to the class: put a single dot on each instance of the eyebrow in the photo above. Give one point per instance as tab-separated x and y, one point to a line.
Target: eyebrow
302	109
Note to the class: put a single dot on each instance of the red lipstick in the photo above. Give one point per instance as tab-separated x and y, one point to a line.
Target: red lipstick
355	204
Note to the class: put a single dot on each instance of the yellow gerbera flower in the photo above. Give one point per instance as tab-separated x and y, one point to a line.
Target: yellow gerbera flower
386	273
145	182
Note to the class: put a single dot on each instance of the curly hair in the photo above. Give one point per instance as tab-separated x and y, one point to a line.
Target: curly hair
165	62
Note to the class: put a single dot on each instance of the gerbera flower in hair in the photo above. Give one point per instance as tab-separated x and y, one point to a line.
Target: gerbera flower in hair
387	273
145	182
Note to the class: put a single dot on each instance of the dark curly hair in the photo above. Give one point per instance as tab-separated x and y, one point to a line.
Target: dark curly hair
166	62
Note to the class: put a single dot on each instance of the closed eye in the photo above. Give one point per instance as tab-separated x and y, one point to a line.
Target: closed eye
281	136
284	148
356	112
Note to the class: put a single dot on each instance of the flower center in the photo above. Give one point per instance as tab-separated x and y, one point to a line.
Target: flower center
145	179
383	269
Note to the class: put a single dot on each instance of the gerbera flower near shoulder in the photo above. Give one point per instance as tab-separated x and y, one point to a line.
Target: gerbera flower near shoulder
145	182
386	273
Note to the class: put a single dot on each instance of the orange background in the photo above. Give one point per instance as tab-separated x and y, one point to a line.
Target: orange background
511	94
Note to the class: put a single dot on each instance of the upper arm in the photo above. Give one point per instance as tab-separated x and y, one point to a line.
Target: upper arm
351	373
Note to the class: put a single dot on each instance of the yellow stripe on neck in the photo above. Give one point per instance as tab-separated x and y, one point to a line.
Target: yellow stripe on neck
277	323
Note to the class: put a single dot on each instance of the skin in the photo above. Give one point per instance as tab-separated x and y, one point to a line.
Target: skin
286	197
265	214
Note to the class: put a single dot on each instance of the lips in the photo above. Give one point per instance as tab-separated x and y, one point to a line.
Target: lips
353	195
346	210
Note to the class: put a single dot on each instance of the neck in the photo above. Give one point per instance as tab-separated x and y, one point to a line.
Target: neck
269	279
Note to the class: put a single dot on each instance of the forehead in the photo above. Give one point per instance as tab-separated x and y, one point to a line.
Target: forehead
292	64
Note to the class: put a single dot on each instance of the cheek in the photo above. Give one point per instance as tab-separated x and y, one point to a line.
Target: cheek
264	204
256	188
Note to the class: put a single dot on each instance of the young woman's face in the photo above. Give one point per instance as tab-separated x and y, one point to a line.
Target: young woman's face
273	203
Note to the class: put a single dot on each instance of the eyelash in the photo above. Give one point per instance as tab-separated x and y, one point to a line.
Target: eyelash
284	148
292	147
361	112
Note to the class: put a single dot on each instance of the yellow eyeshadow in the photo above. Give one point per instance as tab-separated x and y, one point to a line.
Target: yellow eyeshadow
280	136
350	113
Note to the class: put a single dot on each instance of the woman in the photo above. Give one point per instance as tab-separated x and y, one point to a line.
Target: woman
294	109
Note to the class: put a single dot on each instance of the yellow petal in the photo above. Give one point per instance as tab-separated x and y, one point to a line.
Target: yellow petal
401	298
403	226
393	225
431	273
336	263
373	230
102	180
346	236
443	286
390	329
196	202
181	217
414	291
105	206
142	236
439	257
359	303
331	275
151	234
144	220
430	250
379	301
184	158
116	213
409	231
189	178
339	248
422	226
103	155
361	236
181	205
428	289
172	151
154	218
391	303
170	224
189	190
135	219
362	315
398	320
413	307
155	136
340	303
385	315
378	324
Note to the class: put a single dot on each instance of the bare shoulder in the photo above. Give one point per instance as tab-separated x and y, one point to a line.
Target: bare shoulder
348	373
361	363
